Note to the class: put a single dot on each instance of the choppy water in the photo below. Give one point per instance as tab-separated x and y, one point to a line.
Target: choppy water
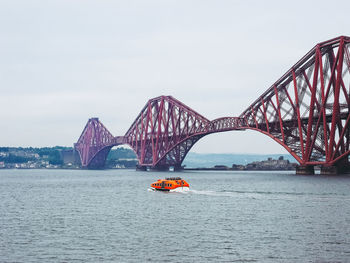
110	216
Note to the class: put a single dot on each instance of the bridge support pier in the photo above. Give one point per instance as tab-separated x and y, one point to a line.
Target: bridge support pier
329	170
305	170
342	167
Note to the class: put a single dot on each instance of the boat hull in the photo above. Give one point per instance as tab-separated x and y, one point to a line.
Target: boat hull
172	184
178	189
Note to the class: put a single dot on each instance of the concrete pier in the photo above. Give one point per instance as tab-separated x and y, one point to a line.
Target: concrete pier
305	170
339	168
329	170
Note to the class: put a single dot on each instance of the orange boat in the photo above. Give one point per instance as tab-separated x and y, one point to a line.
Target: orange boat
172	184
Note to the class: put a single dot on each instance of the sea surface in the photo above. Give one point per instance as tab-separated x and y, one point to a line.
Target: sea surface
112	216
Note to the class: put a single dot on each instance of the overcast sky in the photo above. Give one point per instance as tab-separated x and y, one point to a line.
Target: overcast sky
64	61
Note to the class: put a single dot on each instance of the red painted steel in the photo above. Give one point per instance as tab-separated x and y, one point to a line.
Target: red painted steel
164	132
94	144
306	111
311	119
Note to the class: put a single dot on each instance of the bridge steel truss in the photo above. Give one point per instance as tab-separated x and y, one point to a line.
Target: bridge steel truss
306	111
164	132
94	144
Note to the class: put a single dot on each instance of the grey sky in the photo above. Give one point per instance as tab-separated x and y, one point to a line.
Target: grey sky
62	62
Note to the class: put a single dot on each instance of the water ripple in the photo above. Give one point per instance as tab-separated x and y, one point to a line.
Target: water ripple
112	216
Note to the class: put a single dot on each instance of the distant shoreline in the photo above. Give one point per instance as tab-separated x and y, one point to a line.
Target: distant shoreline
59	157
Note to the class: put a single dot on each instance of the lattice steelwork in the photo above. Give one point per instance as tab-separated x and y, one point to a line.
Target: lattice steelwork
94	144
165	131
307	110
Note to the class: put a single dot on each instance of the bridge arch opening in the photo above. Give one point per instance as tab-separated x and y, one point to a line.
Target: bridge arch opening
121	156
224	145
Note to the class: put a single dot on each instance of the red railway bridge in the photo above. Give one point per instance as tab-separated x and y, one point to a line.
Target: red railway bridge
306	111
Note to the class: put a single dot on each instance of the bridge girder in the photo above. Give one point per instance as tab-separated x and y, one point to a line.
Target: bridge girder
306	111
165	131
94	144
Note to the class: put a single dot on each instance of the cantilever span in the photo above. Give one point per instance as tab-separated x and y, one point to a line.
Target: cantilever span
306	111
